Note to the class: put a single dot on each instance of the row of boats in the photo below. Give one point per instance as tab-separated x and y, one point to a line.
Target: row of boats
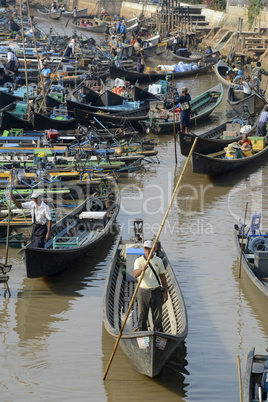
78	231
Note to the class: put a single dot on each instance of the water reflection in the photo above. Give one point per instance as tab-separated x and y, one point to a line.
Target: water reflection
123	382
42	303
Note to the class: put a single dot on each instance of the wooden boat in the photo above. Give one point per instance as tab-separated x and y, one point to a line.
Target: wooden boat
161	48
201	107
131	117
47	13
94	28
133	76
80	13
209	142
195	57
45	121
215	164
236	99
221	70
73	236
254	252
149	350
256	375
150	51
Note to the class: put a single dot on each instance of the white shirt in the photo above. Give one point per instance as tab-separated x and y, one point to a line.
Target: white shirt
246	88
42	213
72	45
149	280
12	57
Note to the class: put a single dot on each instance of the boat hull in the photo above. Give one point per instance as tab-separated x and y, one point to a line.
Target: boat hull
206	164
133	76
236	100
149	350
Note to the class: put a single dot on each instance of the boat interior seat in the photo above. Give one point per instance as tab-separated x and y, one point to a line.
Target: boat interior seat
215	154
257	368
62	233
201	103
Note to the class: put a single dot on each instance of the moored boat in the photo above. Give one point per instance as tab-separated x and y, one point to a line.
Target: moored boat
133	76
236	98
73	236
255	385
149	350
211	141
201	107
221	69
215	164
47	13
91	28
254	252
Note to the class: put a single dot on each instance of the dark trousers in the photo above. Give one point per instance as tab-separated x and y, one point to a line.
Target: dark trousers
150	298
38	235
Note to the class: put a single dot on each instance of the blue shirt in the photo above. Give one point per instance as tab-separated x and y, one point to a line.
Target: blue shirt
263	117
46	73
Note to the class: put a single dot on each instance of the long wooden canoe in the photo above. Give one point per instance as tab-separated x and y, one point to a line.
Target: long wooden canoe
195	57
201	107
94	28
254	256
256	369
237	100
80	13
209	142
133	76
221	70
149	350
215	164
73	236
47	13
132	117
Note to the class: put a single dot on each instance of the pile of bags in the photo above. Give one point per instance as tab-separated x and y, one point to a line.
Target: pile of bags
178	68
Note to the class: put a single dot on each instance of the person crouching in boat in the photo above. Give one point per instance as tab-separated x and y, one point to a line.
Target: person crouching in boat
230	152
150	292
245	140
40	213
246	150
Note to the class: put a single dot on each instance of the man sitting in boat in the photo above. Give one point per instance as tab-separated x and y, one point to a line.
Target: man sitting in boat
262	123
246	87
150	293
208	50
238	79
116	62
40	215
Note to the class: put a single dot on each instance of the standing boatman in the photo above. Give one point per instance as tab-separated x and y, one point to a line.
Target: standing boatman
40	215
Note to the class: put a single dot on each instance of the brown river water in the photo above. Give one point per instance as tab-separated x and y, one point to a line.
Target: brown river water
53	344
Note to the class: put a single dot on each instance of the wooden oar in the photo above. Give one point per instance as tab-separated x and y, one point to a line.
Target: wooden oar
240	381
9	213
239	271
147	261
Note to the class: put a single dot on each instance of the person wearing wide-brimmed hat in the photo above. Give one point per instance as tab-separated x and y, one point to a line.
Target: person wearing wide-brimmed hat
40	213
150	293
230	152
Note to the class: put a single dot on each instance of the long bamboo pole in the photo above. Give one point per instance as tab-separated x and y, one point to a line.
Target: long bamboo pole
9	215
174	124
36	51
148	259
25	63
240	380
240	258
52	78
